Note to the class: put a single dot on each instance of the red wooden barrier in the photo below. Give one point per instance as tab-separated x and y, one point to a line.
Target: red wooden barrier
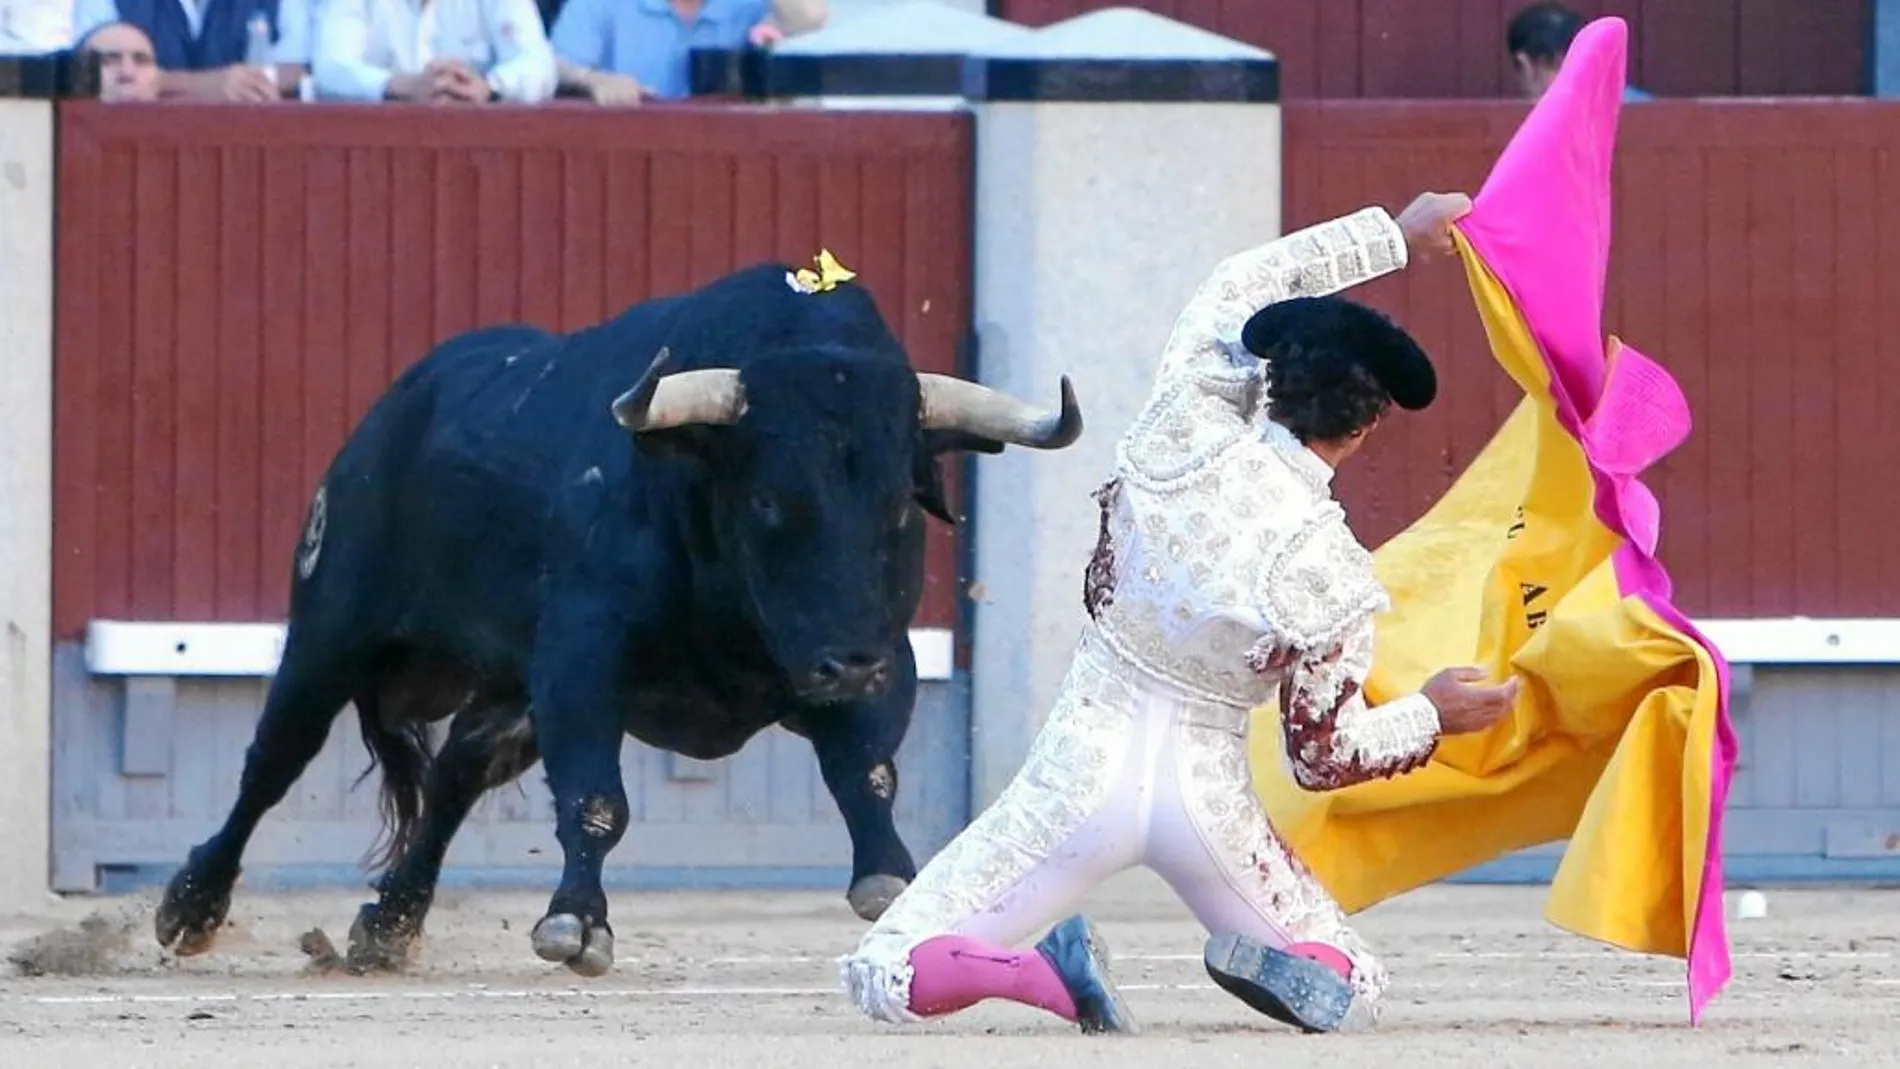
237	285
1332	49
1756	255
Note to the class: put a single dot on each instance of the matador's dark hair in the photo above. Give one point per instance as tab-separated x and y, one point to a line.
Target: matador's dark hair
1320	397
1334	366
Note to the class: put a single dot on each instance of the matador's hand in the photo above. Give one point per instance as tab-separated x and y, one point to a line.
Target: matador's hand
1426	223
1465	708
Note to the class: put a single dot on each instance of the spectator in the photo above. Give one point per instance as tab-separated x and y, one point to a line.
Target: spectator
1538	37
440	51
128	69
200	44
618	51
30	26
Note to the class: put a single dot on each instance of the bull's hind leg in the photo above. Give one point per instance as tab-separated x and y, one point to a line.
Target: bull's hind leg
857	755
311	687
490	743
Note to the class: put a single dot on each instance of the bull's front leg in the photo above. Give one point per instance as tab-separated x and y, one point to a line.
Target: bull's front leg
578	729
857	744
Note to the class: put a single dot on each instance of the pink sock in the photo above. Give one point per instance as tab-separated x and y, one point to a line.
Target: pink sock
952	972
1331	957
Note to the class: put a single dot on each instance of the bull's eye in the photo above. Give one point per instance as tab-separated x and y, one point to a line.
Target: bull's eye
765	507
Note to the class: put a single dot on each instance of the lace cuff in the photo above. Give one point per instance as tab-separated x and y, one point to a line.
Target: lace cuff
1333	738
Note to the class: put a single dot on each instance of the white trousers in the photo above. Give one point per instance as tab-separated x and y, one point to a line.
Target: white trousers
1127	771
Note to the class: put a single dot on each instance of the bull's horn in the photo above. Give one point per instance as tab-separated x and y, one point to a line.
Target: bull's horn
958	404
659	401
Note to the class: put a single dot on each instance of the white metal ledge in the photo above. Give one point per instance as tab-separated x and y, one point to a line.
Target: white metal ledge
162	648
1805	640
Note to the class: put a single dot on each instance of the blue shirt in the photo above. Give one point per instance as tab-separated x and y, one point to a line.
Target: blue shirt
647	41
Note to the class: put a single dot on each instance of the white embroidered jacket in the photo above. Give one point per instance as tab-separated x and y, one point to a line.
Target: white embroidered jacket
1225	566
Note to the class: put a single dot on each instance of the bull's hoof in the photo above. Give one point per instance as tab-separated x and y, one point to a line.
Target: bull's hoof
377	946
564	939
191	913
872	895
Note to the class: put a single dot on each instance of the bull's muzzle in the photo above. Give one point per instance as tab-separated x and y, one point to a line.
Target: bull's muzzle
847	676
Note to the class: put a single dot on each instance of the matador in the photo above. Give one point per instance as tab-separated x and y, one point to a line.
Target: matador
1225	577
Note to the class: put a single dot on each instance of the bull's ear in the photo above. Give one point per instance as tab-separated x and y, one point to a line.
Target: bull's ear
930	490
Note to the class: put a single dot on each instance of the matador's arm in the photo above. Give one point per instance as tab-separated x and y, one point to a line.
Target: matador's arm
1333	738
1313	262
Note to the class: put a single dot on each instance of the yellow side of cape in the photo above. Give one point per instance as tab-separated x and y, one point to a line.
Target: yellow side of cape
1613	736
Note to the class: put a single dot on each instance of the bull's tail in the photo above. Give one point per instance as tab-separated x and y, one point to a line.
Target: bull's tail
404	754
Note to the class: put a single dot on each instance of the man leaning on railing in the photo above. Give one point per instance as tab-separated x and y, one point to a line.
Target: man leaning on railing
624	51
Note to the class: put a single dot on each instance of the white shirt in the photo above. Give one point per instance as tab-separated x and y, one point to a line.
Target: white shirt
361	44
28	26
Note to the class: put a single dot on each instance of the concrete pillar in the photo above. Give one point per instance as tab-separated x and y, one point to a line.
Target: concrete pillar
27	175
1120	156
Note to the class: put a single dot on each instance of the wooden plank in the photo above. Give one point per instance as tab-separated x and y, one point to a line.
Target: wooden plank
148	707
197	289
321	385
80	331
238	429
282	490
583	237
148	330
498	270
1876	555
537	274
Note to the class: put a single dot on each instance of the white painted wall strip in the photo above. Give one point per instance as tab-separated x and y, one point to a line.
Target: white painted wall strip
160	648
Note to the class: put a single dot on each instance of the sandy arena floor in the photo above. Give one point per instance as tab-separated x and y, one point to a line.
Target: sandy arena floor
712	980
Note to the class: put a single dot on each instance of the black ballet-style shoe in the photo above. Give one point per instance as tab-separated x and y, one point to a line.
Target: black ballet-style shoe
1290	989
1081	959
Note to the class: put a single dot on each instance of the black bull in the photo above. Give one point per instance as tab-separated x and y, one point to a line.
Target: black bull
557	539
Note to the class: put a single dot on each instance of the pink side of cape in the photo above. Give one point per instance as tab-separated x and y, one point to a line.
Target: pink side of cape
1542	225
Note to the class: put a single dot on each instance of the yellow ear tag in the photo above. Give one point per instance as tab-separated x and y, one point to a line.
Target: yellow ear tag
830	272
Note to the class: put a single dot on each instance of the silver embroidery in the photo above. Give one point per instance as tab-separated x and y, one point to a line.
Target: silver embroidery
1226	542
1229	816
1216	503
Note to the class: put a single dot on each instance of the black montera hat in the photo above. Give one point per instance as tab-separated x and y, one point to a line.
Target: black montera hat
1351	330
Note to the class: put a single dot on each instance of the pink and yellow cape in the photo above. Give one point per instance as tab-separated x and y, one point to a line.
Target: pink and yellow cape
1540	561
